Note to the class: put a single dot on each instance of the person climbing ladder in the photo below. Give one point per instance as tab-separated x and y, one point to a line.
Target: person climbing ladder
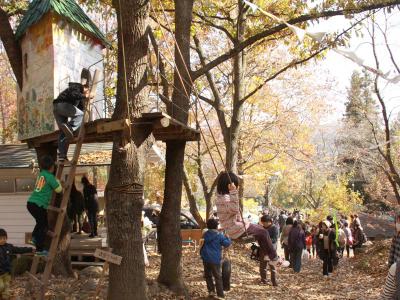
39	200
69	104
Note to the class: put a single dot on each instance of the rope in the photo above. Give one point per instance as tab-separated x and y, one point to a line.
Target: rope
197	96
127	188
190	78
124	60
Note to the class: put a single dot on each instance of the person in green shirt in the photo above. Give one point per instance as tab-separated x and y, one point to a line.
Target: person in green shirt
39	200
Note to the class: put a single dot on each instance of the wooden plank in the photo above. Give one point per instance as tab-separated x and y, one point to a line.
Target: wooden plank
87	263
113	126
108	256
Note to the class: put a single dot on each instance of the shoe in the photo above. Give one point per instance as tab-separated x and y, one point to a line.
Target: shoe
42	253
32	242
67	131
326	277
63	159
211	294
91	235
263	281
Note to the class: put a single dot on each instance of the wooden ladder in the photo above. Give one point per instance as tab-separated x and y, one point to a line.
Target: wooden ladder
62	209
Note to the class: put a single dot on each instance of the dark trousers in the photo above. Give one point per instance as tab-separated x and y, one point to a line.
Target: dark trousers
348	250
327	266
213	271
63	111
41	227
92	216
77	223
286	251
263	271
295	256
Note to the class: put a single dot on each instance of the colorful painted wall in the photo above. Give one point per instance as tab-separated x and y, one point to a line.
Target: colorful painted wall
35	111
54	53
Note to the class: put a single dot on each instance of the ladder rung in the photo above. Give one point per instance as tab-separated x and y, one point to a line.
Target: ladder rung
34	278
66	163
51	234
56	209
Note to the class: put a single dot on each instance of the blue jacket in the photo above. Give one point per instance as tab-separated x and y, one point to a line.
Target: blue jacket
211	249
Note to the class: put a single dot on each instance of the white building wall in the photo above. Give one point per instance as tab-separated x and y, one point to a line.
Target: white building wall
73	52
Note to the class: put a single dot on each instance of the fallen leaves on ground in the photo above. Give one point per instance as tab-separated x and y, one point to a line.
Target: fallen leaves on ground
361	277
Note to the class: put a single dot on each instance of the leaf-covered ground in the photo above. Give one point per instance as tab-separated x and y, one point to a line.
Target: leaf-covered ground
361	277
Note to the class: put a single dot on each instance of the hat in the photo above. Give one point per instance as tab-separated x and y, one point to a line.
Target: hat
86	77
327	223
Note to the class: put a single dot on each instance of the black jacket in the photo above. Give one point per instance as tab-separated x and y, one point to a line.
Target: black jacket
6	251
297	239
72	95
332	245
90	195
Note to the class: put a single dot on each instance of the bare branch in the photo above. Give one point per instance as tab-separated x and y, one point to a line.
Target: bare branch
301	19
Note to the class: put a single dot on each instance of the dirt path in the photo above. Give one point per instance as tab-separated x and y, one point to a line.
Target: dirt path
360	278
346	282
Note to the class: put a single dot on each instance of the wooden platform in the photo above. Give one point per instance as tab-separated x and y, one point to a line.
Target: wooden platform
81	245
162	126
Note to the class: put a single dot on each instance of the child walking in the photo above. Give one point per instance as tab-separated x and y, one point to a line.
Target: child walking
6	250
39	200
211	255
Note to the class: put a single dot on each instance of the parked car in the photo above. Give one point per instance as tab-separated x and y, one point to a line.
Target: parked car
187	220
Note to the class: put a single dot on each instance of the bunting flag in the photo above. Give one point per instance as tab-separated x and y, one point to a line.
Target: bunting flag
319	37
336	229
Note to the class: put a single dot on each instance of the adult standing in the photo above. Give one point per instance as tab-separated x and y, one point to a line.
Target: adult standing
326	247
296	245
285	237
76	208
282	220
349	237
359	237
91	204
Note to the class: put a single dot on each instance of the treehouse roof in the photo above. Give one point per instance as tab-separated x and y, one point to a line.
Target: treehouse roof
68	9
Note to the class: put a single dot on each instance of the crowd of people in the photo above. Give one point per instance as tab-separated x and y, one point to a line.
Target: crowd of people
298	238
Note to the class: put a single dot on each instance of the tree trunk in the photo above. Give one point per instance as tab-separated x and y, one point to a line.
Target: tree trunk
3	120
124	191
12	47
62	261
170	240
192	200
231	137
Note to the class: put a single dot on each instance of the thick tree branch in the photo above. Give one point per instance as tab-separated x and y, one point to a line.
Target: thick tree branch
13	48
304	18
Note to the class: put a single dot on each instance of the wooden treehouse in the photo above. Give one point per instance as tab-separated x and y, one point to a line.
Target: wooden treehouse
58	39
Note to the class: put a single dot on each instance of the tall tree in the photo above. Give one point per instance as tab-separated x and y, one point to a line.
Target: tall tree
170	240
355	136
124	191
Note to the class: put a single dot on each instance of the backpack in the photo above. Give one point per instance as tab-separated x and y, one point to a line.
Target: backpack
255	252
342	238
